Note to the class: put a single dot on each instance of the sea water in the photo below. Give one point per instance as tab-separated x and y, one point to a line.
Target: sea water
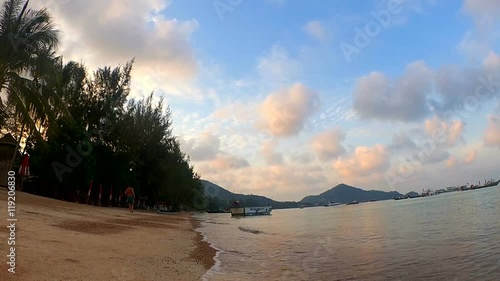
452	236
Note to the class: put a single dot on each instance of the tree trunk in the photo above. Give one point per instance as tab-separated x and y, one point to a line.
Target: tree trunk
27	138
17	147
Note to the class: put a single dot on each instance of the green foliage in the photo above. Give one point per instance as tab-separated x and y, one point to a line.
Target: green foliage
27	43
61	168
79	127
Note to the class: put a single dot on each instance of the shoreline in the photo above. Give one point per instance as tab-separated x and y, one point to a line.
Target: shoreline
59	240
204	252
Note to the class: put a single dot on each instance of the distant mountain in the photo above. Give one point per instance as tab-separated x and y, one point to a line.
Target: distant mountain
220	198
343	193
412	194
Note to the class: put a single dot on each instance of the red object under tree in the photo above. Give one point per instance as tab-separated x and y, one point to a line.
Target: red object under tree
24	169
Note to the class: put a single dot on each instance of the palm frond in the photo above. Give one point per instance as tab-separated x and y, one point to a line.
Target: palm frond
9	13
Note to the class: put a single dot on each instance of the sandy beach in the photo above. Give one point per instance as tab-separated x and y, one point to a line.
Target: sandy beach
62	241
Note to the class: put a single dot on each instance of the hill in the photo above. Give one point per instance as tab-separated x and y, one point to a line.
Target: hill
412	194
220	198
343	193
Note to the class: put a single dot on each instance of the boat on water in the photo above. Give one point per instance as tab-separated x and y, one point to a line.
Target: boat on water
331	204
238	210
353	203
219	211
401	197
251	211
487	184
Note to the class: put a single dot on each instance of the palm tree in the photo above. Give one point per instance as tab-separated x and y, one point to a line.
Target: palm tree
27	43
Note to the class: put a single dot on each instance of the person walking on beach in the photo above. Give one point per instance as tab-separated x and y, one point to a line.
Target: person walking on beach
129	192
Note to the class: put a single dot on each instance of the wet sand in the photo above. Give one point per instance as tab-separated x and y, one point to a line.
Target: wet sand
62	241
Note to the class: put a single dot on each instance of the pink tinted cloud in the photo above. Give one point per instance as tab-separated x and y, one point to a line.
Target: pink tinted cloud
327	145
491	136
364	161
283	113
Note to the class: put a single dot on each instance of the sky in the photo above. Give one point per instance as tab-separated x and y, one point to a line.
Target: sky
287	98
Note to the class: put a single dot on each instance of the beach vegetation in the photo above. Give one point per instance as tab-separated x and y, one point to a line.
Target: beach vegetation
80	126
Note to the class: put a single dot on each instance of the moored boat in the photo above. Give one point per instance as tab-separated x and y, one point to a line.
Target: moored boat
251	211
487	184
331	204
219	211
238	210
353	203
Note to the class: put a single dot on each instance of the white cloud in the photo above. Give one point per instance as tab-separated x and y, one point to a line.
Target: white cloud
327	145
283	113
278	68
237	111
452	162
436	156
455	84
375	96
224	162
301	158
491	136
363	162
435	136
474	45
485	12
270	155
402	141
491	63
316	30
205	147
450	91
102	33
479	41
443	132
471	156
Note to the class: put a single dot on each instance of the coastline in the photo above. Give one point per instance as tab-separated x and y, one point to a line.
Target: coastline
58	240
204	253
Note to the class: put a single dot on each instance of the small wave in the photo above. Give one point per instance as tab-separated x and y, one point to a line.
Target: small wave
250	230
217	266
215	269
234	252
213	222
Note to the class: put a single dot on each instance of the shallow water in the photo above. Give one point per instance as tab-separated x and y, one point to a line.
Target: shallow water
454	236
